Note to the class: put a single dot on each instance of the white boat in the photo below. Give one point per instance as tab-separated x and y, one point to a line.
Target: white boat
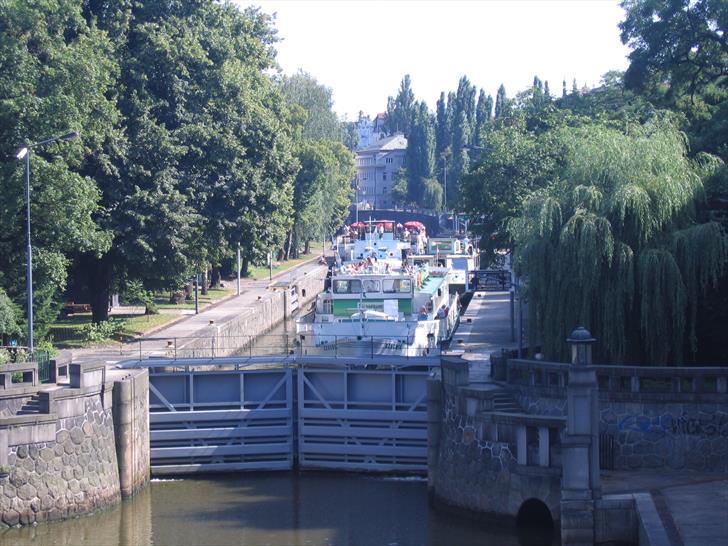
458	255
376	310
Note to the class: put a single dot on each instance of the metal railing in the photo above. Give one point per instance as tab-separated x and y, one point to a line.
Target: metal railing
264	345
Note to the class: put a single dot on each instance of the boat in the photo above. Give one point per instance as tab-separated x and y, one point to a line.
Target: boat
460	255
371	308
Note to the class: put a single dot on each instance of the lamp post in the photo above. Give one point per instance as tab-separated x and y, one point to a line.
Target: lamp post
24	153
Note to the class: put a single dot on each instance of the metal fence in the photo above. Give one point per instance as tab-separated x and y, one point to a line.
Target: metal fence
265	345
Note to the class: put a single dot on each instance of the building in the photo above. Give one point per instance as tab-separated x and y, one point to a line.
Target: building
370	131
376	168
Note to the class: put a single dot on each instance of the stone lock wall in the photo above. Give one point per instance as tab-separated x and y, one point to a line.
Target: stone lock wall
86	449
73	472
469	470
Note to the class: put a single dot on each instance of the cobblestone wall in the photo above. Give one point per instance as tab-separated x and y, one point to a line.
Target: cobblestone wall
75	474
483	476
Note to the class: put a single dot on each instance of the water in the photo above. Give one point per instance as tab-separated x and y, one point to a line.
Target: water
282	508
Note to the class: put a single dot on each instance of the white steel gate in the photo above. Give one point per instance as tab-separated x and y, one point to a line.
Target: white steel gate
205	421
362	416
227	414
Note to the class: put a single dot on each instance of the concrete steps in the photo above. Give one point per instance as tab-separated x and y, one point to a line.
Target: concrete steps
505	403
31	407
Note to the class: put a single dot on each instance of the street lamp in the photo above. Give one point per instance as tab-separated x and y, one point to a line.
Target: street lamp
24	153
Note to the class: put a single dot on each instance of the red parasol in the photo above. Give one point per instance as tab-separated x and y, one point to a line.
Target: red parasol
414	224
358	225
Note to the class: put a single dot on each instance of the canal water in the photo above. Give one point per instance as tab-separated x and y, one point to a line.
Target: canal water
274	508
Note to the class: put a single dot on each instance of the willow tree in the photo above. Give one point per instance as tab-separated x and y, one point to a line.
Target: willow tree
615	245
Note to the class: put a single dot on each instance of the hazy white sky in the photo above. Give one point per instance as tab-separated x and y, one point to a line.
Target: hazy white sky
362	49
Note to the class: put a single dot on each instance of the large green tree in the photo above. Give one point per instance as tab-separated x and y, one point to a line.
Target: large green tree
57	73
615	244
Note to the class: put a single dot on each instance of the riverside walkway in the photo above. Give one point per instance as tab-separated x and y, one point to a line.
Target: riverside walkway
675	507
189	326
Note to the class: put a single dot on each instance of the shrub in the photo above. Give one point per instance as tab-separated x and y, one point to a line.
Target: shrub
99	332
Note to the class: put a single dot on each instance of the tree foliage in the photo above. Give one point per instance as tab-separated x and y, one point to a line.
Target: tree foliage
614	244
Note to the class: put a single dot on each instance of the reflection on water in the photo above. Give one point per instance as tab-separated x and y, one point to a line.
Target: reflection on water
283	508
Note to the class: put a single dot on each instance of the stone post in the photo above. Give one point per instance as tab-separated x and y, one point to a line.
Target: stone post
434	424
580	448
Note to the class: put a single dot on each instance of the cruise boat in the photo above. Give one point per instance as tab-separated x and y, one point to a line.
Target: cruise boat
377	238
458	255
372	309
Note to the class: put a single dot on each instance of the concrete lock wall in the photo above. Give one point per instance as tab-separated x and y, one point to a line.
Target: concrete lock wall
232	334
66	460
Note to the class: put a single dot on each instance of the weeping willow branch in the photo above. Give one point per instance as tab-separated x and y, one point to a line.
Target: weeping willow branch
614	245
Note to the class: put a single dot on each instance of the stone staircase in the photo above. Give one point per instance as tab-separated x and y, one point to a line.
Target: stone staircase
504	402
31	407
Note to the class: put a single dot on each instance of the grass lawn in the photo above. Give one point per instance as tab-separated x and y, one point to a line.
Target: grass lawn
213	294
67	331
262	272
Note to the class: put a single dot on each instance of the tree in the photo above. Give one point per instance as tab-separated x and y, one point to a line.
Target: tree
400	109
9	314
614	244
322	191
46	49
514	164
420	154
500	102
208	151
321	122
483	113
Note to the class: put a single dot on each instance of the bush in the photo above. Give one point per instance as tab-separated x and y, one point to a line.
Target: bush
106	329
135	293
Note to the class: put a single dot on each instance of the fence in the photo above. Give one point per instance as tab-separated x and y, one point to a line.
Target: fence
264	345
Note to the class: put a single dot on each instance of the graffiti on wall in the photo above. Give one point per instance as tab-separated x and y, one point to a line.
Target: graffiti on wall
712	425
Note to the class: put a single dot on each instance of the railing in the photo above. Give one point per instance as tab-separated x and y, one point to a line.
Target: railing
296	345
26	372
536	438
623	379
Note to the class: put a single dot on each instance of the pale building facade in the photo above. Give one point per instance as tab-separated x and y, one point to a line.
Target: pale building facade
370	130
376	169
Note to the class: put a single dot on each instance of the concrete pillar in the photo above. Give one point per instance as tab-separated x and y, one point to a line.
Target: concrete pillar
3	448
521	445
580	484
543	446
434	425
132	448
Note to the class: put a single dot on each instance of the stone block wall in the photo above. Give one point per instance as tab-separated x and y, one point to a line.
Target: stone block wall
667	435
73	472
670	430
86	449
472	472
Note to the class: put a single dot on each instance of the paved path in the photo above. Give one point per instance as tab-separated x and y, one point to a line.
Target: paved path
485	328
189	325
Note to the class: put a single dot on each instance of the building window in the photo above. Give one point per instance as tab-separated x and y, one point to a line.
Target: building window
384	176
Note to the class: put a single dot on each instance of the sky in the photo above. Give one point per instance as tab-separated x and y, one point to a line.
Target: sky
362	49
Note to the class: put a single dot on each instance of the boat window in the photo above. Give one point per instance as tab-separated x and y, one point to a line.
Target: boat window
352	286
396	285
370	285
